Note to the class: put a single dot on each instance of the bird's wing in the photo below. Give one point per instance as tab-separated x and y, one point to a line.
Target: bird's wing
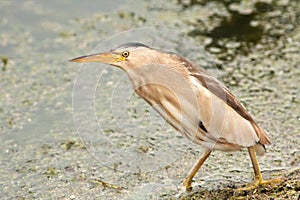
235	111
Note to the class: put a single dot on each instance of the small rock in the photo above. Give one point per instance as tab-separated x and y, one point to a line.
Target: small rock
215	50
232	45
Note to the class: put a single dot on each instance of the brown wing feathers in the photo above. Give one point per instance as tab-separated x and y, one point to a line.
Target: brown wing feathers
218	89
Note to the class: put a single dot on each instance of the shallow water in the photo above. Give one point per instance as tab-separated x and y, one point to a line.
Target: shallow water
55	148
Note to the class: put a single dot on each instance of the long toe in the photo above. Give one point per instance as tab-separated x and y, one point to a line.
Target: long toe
187	183
271	181
250	186
258	182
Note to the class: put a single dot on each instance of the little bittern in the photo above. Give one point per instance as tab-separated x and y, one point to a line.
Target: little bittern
192	101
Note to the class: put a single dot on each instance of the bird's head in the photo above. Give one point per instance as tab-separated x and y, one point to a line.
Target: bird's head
126	56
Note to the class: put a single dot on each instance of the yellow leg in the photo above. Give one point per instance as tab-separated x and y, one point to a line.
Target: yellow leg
258	177
187	183
258	180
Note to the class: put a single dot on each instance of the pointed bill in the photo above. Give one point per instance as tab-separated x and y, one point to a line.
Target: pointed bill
106	57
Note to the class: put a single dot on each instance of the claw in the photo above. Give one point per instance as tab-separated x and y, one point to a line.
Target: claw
187	183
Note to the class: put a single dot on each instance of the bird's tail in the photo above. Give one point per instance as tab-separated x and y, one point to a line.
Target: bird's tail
263	140
260	149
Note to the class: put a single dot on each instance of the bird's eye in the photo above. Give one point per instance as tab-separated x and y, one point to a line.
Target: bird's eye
125	54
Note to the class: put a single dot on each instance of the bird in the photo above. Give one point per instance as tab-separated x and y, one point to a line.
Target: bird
191	100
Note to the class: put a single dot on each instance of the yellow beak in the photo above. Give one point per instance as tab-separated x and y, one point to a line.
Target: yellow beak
107	57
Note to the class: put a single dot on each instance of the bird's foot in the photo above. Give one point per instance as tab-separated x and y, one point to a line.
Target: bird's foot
187	183
258	181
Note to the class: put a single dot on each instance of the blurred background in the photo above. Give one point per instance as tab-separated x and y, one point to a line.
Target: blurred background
255	45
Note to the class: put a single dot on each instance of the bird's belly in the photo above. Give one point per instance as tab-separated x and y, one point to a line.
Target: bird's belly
178	110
